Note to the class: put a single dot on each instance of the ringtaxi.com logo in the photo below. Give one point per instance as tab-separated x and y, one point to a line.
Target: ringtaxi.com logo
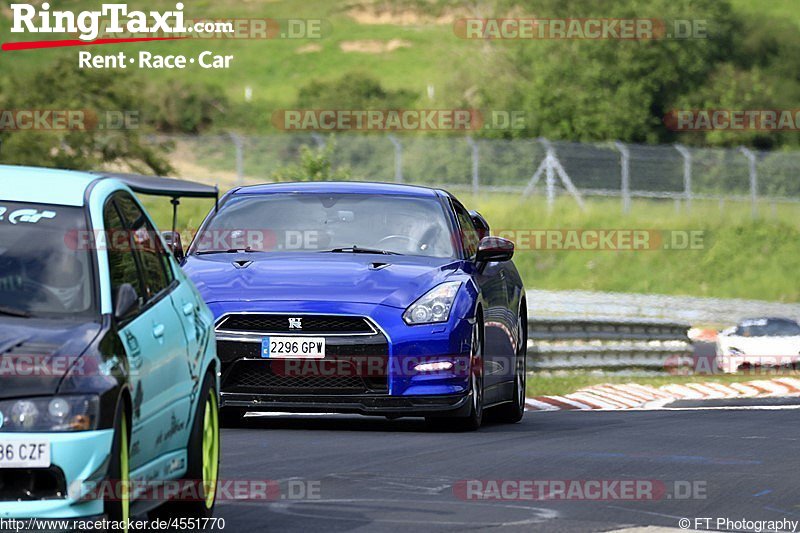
87	24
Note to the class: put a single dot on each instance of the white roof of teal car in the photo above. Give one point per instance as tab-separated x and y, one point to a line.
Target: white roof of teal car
44	185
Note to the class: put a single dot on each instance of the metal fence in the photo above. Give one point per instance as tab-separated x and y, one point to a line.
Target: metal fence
520	166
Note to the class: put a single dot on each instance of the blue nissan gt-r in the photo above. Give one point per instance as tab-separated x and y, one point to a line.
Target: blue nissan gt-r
368	298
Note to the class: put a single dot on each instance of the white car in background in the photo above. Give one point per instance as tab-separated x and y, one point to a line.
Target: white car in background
759	342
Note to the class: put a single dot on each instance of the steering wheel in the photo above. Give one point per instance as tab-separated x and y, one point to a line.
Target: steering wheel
42	292
415	244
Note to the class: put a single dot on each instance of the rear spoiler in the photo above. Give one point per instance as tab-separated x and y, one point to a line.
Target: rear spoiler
174	188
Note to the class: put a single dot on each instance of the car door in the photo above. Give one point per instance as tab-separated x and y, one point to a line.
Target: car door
187	303
161	386
498	344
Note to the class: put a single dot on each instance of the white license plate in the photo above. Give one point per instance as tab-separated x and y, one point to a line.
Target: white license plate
27	453
293	347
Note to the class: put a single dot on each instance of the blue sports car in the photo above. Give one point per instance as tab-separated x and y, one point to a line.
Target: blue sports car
108	367
369	298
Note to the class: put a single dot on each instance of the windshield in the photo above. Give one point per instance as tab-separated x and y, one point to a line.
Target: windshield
43	271
768	328
345	223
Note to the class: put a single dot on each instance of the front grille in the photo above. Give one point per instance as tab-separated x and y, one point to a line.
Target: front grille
309	324
274	377
31	484
356	356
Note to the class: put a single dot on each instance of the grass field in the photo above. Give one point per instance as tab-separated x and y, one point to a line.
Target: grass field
275	68
739	257
427	53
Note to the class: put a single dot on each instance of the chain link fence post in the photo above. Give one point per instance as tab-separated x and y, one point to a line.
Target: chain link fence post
320	140
550	173
398	158
751	158
238	145
625	171
475	165
687	174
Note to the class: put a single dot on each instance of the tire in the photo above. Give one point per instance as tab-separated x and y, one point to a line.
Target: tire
203	454
231	417
512	412
119	509
474	419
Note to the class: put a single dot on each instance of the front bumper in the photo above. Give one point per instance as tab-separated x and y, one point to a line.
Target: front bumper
79	456
371	373
374	405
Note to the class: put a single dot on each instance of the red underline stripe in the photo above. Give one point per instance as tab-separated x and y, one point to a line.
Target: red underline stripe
32	45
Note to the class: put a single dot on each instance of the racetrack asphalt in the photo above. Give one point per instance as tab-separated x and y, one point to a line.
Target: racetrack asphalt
372	474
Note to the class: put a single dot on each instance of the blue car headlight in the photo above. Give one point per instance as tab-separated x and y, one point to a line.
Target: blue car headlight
57	413
434	306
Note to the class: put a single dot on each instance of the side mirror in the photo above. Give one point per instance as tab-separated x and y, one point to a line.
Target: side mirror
173	240
126	301
481	226
493	249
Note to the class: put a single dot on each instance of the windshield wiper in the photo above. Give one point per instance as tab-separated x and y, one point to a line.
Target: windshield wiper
358	250
228	251
11	311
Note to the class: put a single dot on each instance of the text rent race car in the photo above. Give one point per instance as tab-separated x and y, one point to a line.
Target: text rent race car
367	298
108	365
765	342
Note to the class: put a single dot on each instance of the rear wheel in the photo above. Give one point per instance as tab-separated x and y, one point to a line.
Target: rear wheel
202	471
512	412
118	506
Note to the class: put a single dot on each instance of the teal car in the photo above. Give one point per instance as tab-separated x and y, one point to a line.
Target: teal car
108	365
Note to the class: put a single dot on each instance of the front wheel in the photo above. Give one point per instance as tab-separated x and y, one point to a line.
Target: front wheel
474	419
118	506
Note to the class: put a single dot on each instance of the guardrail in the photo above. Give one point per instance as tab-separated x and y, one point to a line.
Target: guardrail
562	343
622	307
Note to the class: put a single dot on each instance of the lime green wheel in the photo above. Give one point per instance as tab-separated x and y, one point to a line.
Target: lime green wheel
118	504
211	448
203	450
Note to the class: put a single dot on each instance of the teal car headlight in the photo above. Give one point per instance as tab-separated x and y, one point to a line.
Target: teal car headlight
56	413
434	306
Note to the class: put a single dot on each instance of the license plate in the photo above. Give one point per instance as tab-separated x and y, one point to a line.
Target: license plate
28	453
293	347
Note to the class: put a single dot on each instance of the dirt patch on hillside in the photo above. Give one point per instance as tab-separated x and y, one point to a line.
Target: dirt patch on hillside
373	46
310	48
385	14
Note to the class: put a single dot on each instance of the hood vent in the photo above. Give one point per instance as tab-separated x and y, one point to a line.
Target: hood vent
379	266
242	263
29	348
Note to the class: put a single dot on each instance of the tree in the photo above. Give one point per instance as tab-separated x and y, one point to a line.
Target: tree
110	131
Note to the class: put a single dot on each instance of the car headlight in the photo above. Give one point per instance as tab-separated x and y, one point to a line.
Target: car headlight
434	306
58	413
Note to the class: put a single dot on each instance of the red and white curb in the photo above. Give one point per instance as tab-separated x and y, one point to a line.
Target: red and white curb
633	396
